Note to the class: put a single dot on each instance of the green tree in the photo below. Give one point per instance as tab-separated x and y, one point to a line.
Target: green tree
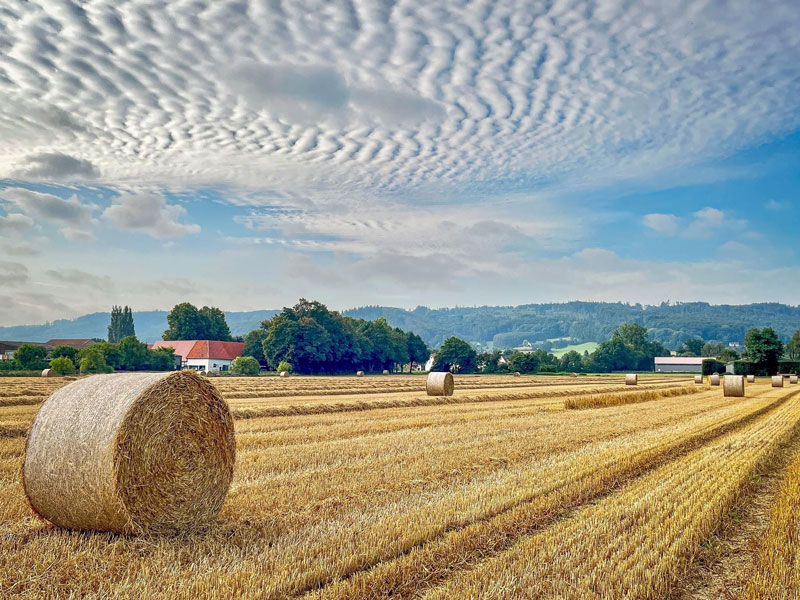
127	327
284	366
213	324
489	362
161	359
115	325
524	362
457	356
68	351
571	362
254	344
793	347
62	365
692	347
94	362
185	323
418	352
110	352
133	353
245	365
712	349
764	348
31	358
727	355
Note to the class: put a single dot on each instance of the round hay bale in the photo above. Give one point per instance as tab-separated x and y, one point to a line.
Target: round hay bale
284	373
439	383
517	374
131	453
777	381
793	379
631	379
733	386
359	373
751	379
385	372
714	379
50	373
698	379
573	375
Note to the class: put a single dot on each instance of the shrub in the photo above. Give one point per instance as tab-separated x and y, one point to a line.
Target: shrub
93	361
245	365
284	366
68	351
711	366
30	357
789	366
744	367
62	365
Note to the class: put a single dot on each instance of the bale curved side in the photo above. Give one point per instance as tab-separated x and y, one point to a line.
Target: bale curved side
131	453
733	386
359	373
50	373
631	379
698	379
440	384
793	379
284	373
777	381
714	379
751	379
517	374
386	372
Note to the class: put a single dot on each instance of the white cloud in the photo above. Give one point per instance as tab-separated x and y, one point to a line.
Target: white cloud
13	273
76	277
15	222
149	214
701	224
662	223
74	217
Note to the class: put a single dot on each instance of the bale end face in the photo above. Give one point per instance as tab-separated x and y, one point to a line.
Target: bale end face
777	381
733	386
631	379
131	453
284	373
440	384
50	373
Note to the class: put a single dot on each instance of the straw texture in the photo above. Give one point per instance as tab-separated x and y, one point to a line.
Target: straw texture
631	379
777	381
440	384
733	386
50	373
751	379
698	379
131	453
714	379
793	379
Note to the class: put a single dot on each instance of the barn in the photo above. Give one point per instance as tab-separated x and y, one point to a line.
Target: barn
680	364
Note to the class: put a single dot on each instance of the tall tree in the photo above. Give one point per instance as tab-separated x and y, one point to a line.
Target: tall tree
115	325
213	324
418	352
457	356
793	347
184	323
127	327
764	348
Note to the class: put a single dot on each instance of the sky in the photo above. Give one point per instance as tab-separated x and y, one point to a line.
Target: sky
244	154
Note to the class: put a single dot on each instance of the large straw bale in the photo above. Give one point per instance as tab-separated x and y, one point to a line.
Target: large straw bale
733	386
714	379
131	453
50	373
631	379
439	384
751	379
793	379
698	379
777	381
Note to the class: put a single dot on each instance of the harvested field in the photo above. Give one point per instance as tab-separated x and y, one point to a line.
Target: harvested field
357	488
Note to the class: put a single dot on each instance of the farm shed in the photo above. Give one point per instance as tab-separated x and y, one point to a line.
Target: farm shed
204	355
679	364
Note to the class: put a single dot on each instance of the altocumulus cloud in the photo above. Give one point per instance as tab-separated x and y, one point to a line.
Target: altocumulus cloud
149	214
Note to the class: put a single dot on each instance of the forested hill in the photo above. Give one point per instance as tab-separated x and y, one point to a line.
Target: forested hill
509	326
506	326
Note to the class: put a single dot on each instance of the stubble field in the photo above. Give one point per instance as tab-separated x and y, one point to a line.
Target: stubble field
530	487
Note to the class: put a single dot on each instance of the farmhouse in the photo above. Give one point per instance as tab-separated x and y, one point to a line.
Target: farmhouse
203	355
7	349
78	344
680	364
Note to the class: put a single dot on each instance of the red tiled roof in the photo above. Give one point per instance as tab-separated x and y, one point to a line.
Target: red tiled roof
216	349
203	348
75	343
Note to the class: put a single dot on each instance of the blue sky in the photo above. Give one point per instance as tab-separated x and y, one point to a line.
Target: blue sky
247	154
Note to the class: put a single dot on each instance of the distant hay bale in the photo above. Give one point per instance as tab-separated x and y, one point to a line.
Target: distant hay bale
131	453
385	372
573	374
714	379
777	381
631	379
733	386
793	379
359	373
698	379
284	374
751	379
440	384
50	373
517	374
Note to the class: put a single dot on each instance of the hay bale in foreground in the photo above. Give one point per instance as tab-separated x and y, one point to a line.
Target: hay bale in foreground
359	373
50	373
777	381
733	386
793	379
631	379
751	379
284	373
714	379
698	379
439	383
131	453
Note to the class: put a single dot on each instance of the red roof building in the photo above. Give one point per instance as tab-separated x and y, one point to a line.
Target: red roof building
79	344
204	355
